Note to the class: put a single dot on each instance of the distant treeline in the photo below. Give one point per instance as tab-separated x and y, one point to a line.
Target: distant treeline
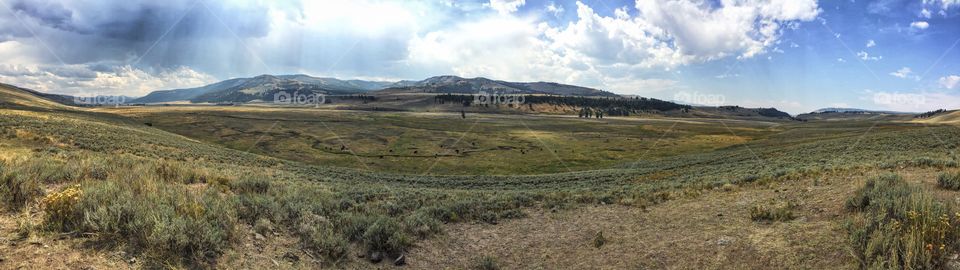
362	97
930	113
767	112
609	106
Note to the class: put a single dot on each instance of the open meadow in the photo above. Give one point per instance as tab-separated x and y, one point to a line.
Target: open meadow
264	187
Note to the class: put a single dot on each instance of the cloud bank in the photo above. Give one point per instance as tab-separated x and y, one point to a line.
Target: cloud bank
633	48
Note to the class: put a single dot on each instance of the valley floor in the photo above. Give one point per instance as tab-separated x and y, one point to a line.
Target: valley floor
277	188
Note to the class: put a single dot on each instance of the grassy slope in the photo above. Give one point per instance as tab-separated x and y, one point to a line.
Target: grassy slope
12	97
952	118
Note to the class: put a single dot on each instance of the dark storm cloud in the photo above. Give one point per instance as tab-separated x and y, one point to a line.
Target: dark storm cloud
143	20
51	14
77	72
83	31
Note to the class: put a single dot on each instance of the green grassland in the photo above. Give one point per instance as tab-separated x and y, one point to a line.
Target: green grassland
445	143
176	191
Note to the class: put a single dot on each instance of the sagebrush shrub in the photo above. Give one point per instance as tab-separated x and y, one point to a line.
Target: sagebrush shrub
900	226
263	226
253	207
250	185
165	221
60	208
486	263
421	225
949	180
384	235
17	189
173	171
324	241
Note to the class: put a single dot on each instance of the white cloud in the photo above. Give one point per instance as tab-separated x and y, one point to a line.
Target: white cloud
598	40
630	86
499	47
555	9
950	82
944	5
871	43
614	53
741	28
925	13
629	50
949	3
90	80
913	102
904	73
841	60
920	25
866	56
506	6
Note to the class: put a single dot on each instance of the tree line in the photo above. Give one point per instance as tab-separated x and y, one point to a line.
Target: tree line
590	106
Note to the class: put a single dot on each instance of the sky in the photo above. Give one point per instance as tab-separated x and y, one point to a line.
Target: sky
795	55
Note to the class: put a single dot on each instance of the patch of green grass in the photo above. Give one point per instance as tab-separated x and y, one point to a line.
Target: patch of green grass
898	226
936	163
770	213
486	263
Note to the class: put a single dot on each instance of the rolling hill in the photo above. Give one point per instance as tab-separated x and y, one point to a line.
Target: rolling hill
946	117
851	114
13	97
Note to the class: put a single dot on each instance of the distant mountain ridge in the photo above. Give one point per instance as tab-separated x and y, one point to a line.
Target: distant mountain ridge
854	110
263	87
266	86
458	85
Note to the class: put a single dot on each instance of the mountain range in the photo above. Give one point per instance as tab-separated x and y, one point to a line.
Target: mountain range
264	87
854	110
458	85
261	87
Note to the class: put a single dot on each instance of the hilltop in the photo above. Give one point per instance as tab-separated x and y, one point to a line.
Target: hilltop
22	98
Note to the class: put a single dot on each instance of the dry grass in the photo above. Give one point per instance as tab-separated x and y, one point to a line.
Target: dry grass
664	236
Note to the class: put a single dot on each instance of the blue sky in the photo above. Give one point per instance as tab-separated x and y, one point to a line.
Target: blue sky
795	55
